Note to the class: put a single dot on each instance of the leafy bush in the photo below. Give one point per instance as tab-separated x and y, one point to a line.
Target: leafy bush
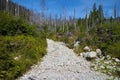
20	46
110	41
114	50
27	49
14	26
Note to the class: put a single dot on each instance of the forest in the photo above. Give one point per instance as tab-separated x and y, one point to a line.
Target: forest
23	34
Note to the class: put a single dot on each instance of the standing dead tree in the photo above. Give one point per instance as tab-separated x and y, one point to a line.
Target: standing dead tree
43	8
74	21
7	5
87	29
63	18
115	11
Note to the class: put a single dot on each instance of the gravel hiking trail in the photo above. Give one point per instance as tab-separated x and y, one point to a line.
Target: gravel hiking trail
61	63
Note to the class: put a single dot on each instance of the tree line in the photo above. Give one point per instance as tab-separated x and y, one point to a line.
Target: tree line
57	23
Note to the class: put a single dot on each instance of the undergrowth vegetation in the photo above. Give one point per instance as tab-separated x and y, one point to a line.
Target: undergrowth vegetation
105	37
20	46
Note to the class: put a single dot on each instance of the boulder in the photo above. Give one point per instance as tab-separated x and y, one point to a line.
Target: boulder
91	54
99	52
117	60
86	48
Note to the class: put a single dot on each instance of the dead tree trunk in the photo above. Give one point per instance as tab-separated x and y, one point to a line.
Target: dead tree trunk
87	29
6	5
74	20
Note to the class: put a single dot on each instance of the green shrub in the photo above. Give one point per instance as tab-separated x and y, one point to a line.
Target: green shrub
20	46
114	50
28	49
14	26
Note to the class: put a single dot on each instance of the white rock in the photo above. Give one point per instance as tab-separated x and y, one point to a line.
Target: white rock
17	58
107	62
95	68
86	48
82	54
76	44
102	67
117	60
85	54
108	57
99	52
91	54
110	67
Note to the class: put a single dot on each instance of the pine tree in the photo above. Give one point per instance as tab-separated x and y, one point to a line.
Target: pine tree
100	14
95	14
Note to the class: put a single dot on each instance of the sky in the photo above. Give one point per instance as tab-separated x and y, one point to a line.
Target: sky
58	7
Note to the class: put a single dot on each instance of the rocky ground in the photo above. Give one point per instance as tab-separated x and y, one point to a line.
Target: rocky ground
61	63
108	65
